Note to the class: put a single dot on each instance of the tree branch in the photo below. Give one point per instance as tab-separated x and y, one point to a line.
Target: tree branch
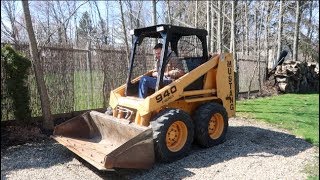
49	36
216	10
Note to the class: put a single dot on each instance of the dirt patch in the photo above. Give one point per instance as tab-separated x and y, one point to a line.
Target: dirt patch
12	135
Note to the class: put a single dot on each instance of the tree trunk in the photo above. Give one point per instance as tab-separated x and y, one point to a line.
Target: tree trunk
102	24
219	33
251	79
107	24
10	10
44	98
90	78
222	17
124	32
48	21
168	12
310	29
196	15
247	27
256	49
243	33
232	46
259	47
296	32
154	16
231	28
213	30
131	14
208	25
154	12
280	28
266	26
196	22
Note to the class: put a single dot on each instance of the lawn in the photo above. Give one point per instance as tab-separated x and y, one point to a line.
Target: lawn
298	113
88	95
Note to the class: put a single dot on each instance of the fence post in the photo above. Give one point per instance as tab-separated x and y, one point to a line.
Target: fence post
89	66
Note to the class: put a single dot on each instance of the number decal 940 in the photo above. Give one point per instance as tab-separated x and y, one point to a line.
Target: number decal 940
168	94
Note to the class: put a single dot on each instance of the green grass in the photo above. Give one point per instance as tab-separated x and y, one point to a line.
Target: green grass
74	91
87	95
298	113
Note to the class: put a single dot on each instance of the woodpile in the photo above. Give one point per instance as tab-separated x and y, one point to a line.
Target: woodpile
297	77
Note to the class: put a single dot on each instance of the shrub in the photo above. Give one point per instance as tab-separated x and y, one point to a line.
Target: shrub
16	69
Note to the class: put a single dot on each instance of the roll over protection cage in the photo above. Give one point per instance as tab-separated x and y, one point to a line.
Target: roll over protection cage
170	34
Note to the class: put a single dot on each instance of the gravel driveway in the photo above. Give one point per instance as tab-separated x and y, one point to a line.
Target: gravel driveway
253	150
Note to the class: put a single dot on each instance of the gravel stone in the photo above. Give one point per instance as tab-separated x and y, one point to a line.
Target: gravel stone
253	150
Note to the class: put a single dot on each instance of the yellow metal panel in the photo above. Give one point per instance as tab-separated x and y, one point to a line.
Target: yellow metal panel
115	95
173	91
210	81
198	92
226	84
131	102
185	106
119	92
201	99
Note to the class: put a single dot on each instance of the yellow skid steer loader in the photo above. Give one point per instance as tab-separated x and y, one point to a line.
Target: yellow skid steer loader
162	126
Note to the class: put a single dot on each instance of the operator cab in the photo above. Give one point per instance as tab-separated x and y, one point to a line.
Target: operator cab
189	44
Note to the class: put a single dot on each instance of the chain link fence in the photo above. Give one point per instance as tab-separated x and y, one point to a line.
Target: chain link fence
80	79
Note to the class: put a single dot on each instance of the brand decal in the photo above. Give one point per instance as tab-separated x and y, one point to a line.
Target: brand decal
167	95
230	80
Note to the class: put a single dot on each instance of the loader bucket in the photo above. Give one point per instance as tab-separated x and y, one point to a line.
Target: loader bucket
107	142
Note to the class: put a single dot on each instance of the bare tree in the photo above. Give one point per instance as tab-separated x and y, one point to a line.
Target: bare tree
9	8
233	44
247	26
280	29
61	15
168	15
233	28
219	30
296	31
196	14
208	25
154	15
256	51
124	31
44	98
130	8
213	31
259	31
310	29
242	30
102	23
266	37
154	12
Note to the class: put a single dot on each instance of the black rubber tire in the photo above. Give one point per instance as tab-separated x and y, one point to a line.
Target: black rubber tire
201	119
160	125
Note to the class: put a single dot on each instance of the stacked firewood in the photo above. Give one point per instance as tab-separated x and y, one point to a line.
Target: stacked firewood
297	77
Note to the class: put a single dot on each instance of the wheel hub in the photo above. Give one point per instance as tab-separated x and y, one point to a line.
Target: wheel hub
176	136
216	126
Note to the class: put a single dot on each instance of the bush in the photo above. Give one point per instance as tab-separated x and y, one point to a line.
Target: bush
16	69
